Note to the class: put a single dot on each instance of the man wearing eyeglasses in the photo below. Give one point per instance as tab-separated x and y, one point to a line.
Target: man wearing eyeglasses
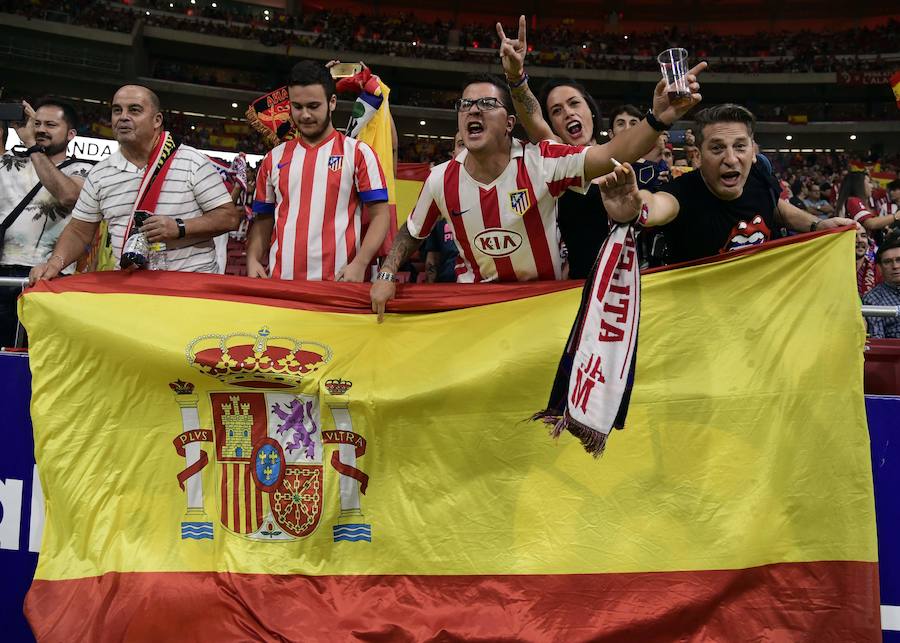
499	194
887	293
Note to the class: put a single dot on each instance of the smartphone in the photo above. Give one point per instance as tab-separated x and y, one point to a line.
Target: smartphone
676	136
344	70
12	112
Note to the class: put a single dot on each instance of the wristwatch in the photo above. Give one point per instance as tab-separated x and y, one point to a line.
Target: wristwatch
814	226
655	123
384	275
22	152
181	229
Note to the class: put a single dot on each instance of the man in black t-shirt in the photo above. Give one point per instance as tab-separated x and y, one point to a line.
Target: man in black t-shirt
728	204
706	224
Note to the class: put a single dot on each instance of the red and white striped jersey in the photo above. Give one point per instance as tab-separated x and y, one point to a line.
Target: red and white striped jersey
857	210
505	230
879	199
316	194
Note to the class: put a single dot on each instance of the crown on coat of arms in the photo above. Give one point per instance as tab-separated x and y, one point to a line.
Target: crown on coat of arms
181	387
338	387
257	361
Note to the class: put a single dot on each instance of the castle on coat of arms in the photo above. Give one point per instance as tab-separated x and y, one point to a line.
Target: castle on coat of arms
238	426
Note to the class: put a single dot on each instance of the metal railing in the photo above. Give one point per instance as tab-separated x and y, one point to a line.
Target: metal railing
881	311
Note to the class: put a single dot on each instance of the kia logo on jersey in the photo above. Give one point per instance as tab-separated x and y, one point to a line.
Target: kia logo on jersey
497	242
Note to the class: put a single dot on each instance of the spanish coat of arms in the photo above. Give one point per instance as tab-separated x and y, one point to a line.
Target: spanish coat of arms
269	445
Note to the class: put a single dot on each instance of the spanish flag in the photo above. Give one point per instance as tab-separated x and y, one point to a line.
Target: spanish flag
410	179
235	459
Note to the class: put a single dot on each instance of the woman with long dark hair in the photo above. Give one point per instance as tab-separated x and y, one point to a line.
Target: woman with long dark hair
567	114
853	202
574	119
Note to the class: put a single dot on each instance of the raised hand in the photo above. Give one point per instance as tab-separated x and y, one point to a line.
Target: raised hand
512	52
25	130
669	112
620	195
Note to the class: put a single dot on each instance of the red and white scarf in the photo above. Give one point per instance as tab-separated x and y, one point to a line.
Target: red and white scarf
595	376
159	162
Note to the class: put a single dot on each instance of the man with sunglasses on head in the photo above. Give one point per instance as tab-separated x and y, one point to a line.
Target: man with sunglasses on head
499	194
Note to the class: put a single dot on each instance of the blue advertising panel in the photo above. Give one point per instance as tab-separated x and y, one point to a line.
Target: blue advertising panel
883	414
20	535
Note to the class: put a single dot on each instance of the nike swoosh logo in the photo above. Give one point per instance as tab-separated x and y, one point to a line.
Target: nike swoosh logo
458	213
281	165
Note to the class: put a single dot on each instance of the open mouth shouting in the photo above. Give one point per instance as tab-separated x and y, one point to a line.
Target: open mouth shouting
574	128
474	129
730	179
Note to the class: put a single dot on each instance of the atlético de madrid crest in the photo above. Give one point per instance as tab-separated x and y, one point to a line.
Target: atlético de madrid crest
268	446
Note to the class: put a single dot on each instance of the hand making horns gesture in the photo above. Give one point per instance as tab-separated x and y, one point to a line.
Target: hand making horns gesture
512	52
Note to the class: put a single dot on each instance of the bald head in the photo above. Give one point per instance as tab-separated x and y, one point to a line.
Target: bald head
150	96
136	117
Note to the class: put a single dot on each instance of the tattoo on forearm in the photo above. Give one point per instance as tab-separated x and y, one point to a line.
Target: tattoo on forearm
523	96
404	246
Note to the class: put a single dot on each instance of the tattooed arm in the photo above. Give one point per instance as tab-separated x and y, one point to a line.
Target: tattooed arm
405	245
528	109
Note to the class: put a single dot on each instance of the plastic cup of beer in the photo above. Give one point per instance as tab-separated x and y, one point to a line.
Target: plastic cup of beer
674	66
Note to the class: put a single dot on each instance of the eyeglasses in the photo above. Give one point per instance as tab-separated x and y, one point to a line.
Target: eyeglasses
485	104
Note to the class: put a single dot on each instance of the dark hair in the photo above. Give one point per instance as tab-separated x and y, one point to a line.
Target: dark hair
496	81
69	114
797	187
553	83
631	110
890	242
724	113
307	72
893	185
854	184
4	131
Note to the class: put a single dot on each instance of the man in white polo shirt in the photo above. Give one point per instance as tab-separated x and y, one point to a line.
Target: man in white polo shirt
192	207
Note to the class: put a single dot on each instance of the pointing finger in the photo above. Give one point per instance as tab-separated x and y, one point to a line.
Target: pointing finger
500	32
698	68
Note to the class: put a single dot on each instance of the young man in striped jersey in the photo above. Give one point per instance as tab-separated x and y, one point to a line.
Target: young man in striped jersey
310	192
500	194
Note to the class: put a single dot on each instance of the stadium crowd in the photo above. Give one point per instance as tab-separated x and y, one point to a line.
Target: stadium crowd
554	45
493	208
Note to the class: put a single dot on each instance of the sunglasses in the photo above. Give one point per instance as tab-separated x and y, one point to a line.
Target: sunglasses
485	104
